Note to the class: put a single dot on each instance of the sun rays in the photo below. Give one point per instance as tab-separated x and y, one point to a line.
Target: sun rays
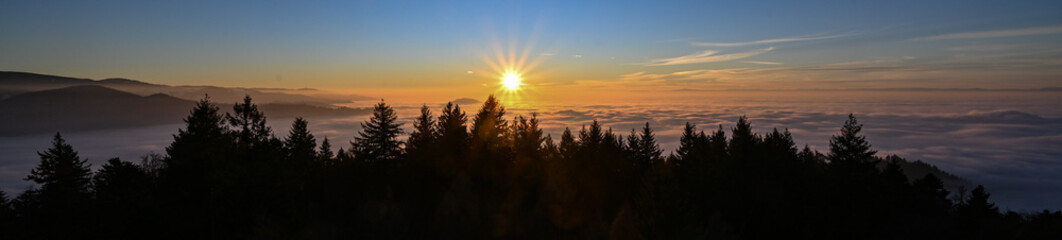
512	68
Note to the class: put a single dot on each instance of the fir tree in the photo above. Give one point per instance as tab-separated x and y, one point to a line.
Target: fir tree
61	204
489	124
249	123
977	205
742	140
125	199
61	173
300	143
325	156
850	150
567	146
691	144
644	147
377	142
452	130
424	132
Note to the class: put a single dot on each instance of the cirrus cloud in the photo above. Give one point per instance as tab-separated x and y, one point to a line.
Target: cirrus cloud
706	57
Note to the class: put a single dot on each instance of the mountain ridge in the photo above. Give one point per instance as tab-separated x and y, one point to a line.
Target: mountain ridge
94	107
13	83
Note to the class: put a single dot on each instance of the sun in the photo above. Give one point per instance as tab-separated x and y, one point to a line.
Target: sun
511	81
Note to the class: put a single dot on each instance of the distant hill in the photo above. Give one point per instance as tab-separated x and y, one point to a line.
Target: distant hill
87	107
94	107
918	169
14	83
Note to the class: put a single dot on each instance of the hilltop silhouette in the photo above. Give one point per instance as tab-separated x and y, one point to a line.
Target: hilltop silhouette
95	107
13	83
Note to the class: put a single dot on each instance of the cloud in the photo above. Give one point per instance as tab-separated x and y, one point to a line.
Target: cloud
1008	146
766	41
982	48
998	33
705	57
762	62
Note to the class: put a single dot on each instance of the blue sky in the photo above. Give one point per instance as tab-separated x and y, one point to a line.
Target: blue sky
619	45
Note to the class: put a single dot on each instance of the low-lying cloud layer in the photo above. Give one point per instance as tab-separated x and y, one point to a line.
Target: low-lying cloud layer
1008	142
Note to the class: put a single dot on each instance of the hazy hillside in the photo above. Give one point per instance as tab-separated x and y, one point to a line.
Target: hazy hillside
86	107
14	83
94	107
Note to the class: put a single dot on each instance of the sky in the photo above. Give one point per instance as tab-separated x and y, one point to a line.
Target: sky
564	50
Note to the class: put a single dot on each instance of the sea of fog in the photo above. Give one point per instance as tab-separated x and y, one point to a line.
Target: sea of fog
1011	142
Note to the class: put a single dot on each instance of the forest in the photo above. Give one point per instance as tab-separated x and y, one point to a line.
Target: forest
492	176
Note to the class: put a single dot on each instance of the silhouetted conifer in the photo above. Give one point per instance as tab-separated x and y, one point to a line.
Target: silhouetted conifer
424	134
61	208
300	144
850	150
249	123
742	140
377	142
198	164
125	200
61	173
489	124
567	146
977	204
644	147
693	145
325	156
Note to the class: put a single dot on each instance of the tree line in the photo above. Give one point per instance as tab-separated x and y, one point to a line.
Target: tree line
228	176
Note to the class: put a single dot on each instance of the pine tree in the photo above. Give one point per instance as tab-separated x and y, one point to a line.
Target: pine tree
850	150
61	172
742	141
325	156
526	136
198	166
489	124
977	205
377	142
568	146
718	146
644	147
61	204
300	143
125	199
424	132
202	138
688	149
592	138
249	123
452	130
930	192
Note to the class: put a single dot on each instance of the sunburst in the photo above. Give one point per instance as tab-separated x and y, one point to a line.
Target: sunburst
514	69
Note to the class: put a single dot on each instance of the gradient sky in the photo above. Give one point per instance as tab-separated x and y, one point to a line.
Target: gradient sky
446	48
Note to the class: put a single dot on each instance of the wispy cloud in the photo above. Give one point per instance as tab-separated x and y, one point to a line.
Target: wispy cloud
998	33
706	56
766	41
762	62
